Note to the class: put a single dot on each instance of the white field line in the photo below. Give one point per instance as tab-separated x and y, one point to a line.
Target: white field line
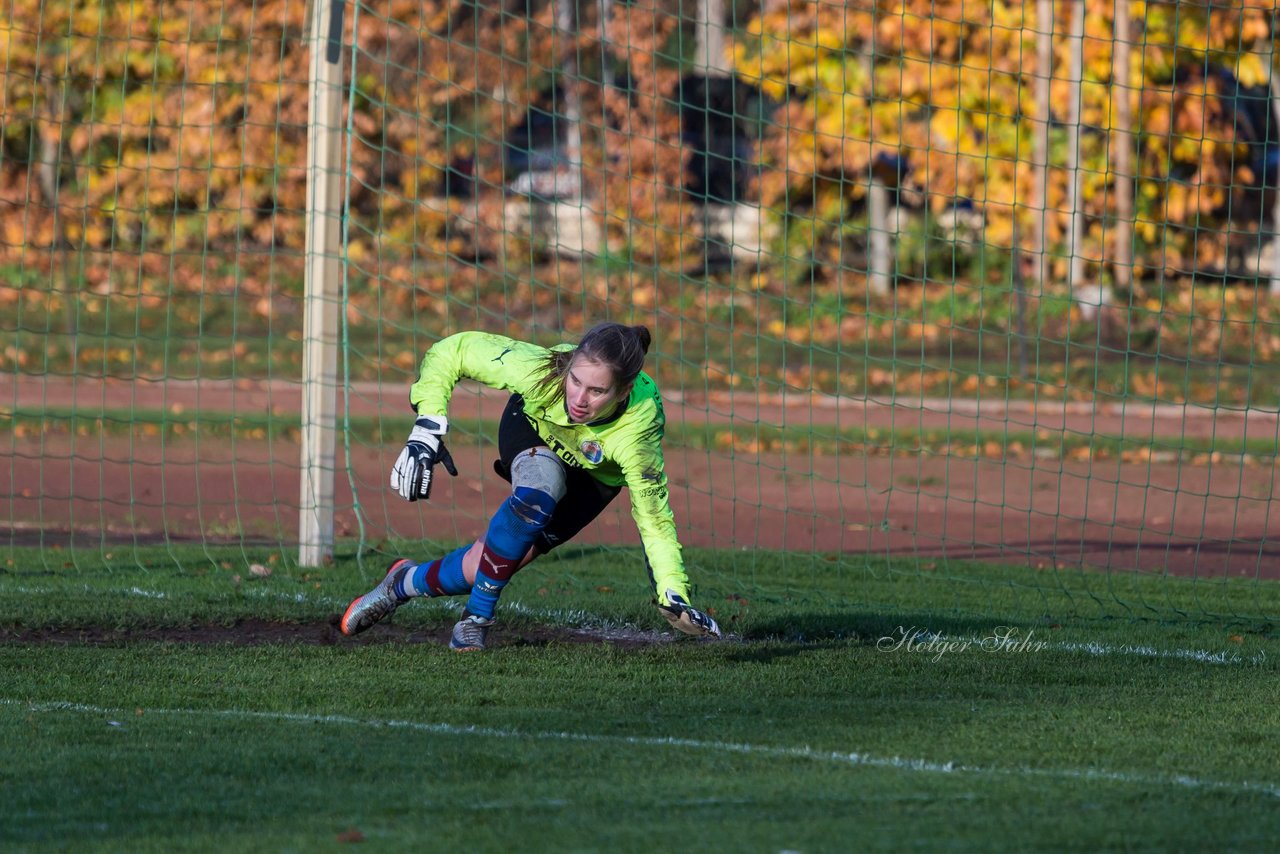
857	759
1200	655
1094	648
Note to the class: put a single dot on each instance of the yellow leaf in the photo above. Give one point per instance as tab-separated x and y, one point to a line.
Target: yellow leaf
1250	70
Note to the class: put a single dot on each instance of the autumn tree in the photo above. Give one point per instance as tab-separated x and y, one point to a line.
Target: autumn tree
951	94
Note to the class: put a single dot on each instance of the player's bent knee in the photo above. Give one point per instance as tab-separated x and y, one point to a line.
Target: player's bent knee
533	507
516	525
541	470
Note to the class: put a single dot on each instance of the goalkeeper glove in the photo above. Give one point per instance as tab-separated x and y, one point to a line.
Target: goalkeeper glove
411	474
685	618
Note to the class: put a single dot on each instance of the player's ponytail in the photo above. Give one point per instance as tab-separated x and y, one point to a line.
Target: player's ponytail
642	337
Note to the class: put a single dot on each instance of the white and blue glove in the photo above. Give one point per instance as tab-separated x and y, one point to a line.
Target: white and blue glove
683	617
411	474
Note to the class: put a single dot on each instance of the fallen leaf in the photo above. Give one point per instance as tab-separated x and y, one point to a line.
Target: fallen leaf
351	835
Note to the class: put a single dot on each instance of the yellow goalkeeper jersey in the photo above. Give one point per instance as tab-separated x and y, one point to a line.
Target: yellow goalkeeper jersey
624	449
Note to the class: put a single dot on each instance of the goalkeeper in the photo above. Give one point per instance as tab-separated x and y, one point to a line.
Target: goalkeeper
582	423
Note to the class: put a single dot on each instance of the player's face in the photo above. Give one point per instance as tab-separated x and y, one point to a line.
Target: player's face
590	391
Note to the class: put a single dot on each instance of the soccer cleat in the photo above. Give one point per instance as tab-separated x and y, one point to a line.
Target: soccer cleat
379	602
470	633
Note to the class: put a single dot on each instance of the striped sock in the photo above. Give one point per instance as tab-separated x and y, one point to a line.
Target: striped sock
511	533
441	577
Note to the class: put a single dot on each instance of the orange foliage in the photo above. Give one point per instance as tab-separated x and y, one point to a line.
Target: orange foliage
949	86
180	126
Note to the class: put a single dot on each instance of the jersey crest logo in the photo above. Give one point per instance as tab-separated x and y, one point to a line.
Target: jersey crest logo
592	451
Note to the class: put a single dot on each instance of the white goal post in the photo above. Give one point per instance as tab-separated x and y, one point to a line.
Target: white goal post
323	274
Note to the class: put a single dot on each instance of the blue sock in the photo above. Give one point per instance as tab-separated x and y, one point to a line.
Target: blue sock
511	534
441	577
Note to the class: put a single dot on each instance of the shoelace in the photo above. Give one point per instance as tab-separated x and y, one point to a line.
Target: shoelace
384	602
472	632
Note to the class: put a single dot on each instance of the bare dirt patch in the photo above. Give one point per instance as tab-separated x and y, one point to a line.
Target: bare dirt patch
251	632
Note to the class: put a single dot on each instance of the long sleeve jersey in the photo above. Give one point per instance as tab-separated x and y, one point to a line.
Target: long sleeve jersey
624	449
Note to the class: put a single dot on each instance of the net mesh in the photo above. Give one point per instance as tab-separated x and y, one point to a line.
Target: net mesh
927	281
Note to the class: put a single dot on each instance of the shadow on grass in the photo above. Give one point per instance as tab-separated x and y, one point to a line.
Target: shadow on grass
862	627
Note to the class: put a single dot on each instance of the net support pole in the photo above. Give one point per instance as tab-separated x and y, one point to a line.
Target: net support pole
1040	142
1274	87
1092	298
879	250
1122	143
323	276
709	50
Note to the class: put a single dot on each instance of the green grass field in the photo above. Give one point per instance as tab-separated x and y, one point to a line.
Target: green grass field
160	699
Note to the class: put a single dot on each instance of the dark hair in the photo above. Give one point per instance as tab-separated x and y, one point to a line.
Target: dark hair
621	348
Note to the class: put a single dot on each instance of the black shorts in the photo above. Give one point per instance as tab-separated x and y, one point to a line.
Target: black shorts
584	497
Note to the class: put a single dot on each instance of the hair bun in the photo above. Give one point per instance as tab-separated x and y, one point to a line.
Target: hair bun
643	336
